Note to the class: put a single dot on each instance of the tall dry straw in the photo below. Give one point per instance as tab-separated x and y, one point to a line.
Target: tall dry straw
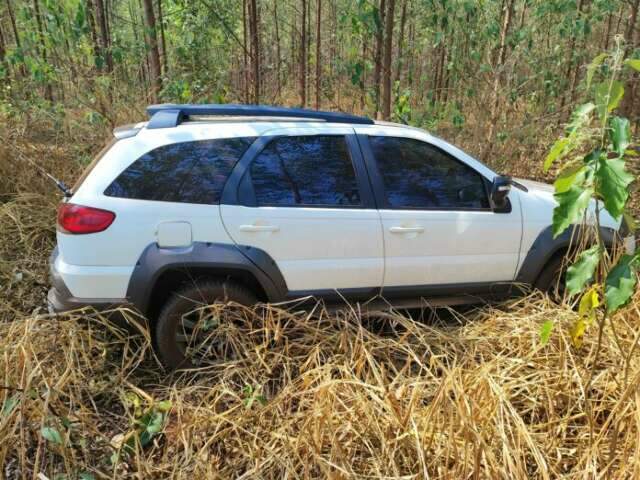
345	395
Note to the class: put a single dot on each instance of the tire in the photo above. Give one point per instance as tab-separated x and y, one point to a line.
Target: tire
551	279
172	320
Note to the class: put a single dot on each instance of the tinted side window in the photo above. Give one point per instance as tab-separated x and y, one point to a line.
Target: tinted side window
187	172
419	175
306	170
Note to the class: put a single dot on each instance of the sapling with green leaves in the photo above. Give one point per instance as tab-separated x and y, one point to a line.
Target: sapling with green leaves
592	157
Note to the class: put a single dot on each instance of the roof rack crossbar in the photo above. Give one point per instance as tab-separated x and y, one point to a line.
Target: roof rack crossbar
170	115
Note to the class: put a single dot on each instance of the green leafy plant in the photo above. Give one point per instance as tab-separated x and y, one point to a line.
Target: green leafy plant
147	423
52	435
592	155
252	395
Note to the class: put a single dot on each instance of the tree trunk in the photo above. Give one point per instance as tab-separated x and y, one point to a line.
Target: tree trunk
48	90
154	54
411	56
439	80
255	49
3	48
618	24
91	20
12	18
318	70
334	38
605	45
378	56
307	62
507	14
303	55
403	20
386	66
571	60
523	14
444	96
245	54
163	39
108	15
278	53
3	55
629	107
16	35
576	68
361	83
105	51
628	35
133	18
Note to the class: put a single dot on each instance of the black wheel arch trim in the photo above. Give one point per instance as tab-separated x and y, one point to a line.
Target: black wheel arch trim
155	261
545	247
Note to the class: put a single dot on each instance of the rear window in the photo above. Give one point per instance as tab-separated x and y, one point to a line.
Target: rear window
187	172
304	171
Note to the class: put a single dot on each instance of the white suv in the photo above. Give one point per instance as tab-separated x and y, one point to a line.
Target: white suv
262	204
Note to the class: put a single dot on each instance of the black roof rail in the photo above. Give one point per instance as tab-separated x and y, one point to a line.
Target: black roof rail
169	115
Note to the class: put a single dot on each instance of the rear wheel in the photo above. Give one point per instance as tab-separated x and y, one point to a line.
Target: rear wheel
192	326
552	278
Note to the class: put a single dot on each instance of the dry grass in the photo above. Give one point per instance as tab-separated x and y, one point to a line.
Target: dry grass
302	394
339	395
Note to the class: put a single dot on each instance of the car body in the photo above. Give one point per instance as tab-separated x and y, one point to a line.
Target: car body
299	204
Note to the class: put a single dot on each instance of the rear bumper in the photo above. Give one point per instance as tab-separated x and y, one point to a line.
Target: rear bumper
60	299
58	302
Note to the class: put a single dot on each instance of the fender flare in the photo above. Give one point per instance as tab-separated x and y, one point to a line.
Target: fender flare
154	261
545	247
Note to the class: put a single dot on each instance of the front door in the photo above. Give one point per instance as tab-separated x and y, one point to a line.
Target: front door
308	207
440	234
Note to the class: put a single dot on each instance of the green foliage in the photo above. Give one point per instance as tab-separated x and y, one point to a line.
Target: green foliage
608	96
147	424
557	151
574	138
612	181
52	435
621	283
9	404
620	135
581	272
593	66
572	204
570	175
545	331
252	395
402	106
600	174
150	424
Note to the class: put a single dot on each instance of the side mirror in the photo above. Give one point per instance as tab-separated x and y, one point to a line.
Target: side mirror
500	189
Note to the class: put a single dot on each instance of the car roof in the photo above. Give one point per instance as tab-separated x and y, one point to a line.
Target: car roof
164	116
169	115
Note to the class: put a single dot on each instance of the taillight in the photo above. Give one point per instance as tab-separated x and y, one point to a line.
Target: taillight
80	219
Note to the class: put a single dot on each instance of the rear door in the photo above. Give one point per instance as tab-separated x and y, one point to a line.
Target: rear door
303	197
440	234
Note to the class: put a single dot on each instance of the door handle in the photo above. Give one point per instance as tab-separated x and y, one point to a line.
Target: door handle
259	228
406	229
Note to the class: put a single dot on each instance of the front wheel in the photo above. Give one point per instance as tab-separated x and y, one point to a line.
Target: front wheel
192	325
552	279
